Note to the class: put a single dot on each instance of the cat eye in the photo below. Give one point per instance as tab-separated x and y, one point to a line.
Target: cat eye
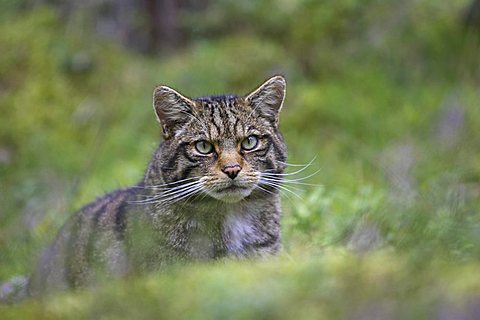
204	147
249	143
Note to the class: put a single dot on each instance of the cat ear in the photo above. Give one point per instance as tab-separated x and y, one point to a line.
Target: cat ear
268	98
172	109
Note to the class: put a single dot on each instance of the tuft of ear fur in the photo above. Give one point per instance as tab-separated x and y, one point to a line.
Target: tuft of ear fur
172	109
268	98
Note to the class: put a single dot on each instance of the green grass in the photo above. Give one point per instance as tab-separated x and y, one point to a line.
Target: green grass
387	107
381	285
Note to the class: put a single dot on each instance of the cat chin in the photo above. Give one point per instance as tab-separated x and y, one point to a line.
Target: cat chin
231	196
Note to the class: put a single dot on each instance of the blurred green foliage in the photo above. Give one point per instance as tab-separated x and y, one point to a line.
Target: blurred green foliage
334	286
383	95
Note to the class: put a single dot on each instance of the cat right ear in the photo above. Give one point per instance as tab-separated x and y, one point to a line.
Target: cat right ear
172	109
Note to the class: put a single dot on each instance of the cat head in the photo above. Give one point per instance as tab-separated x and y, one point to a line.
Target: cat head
221	145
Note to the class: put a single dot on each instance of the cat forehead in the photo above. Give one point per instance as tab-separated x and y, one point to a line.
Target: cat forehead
218	99
225	102
222	118
225	106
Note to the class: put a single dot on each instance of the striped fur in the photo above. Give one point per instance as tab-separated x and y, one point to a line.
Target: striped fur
190	205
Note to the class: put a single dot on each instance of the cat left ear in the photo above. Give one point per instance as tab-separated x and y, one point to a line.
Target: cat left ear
268	98
172	109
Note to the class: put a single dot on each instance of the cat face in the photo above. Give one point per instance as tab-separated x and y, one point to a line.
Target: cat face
220	146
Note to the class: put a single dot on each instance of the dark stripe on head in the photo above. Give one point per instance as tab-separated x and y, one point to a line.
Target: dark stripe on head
220	98
279	155
263	152
215	115
188	157
267	148
269	163
225	120
172	164
212	121
235	126
186	172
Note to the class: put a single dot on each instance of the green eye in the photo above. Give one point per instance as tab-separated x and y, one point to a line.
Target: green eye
204	147
249	143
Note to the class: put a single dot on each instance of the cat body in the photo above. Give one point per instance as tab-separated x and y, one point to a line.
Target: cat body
210	191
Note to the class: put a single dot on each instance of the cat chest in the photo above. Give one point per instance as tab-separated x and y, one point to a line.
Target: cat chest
228	237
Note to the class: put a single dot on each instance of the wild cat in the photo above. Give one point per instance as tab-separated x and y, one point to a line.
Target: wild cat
211	190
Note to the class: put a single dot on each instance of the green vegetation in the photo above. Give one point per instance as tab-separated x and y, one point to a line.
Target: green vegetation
383	95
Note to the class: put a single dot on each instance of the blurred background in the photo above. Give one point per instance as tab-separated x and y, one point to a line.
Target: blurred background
382	95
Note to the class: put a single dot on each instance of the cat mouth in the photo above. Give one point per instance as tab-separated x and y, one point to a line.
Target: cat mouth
232	188
232	193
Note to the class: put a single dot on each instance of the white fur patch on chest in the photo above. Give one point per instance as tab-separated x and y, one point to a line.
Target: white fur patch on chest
238	230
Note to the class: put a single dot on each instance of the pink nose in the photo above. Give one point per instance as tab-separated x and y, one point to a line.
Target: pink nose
232	170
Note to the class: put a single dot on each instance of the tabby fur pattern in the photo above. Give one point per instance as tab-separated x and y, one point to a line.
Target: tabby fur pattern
210	191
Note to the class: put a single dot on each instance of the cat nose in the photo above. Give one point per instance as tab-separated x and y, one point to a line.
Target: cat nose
232	170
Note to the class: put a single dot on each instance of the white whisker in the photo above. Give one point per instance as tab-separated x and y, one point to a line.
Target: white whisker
183	186
275	188
168	193
264	190
296	165
280	176
279	186
181	195
167	185
150	198
292	173
295	182
279	182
